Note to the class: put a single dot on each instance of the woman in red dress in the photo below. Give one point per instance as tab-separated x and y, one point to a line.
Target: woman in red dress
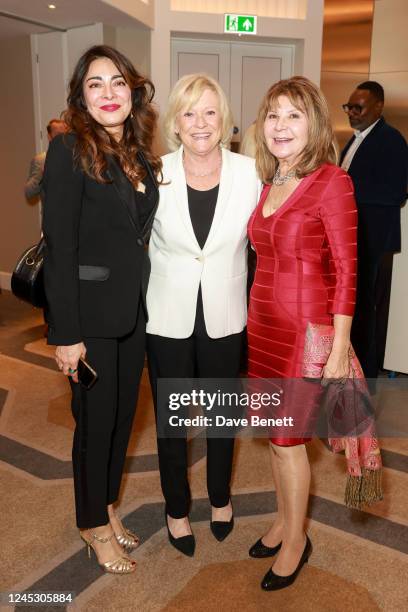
304	234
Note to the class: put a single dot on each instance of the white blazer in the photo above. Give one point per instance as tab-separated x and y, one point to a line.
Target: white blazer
179	264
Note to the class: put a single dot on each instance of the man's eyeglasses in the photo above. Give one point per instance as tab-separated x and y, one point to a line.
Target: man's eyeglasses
352	107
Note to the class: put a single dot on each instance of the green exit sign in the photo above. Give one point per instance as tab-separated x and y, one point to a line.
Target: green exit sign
240	24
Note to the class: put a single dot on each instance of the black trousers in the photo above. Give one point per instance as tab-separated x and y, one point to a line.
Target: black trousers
369	329
193	357
104	416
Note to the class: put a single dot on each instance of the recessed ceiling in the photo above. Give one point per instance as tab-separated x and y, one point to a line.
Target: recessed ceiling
68	14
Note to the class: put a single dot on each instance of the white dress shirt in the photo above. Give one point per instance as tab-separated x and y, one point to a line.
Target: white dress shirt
358	139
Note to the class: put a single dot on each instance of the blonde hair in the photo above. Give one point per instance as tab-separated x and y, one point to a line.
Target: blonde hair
248	143
321	146
184	95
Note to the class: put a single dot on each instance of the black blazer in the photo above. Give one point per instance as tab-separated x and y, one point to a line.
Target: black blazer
379	174
96	265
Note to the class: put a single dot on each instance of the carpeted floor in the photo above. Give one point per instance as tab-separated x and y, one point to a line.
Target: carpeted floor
360	559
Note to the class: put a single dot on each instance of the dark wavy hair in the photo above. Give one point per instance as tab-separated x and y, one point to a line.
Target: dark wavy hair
93	142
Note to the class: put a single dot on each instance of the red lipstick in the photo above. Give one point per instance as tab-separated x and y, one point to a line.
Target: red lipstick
110	107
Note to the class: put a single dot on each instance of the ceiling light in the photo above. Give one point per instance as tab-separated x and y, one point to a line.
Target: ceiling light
52	6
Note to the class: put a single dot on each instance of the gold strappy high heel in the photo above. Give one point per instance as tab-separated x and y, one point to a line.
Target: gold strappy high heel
127	539
121	565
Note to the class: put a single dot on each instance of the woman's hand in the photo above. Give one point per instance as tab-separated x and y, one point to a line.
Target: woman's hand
67	358
338	365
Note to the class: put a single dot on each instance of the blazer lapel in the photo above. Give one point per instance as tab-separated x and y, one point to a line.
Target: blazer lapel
367	146
179	185
366	143
223	195
148	223
123	190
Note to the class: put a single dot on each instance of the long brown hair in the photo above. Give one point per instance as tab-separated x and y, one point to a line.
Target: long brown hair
93	142
321	146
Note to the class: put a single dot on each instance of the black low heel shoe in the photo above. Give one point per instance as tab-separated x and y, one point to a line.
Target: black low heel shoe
274	582
260	551
221	529
185	544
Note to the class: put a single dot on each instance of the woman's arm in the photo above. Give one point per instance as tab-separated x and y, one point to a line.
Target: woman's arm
338	363
339	217
32	187
63	186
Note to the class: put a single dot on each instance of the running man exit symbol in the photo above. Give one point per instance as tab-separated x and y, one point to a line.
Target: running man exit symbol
240	24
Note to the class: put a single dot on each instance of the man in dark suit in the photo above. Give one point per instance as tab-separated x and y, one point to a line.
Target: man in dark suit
376	159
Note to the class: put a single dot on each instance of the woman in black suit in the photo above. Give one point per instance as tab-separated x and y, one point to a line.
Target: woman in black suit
100	198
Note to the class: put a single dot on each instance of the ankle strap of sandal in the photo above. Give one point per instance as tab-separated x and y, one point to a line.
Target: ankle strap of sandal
102	540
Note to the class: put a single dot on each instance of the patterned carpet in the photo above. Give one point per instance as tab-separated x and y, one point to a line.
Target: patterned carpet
360	559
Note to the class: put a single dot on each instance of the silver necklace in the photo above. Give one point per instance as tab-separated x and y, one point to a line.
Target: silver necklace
281	180
201	174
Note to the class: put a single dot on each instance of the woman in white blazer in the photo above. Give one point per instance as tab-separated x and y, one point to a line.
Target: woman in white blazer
196	297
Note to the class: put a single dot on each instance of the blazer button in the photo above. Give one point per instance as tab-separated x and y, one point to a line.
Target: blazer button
200	259
140	241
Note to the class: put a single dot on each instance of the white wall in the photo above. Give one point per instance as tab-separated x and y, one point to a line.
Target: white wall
19	225
396	352
142	10
134	42
291	9
79	40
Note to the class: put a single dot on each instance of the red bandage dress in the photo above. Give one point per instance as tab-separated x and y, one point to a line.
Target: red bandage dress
306	271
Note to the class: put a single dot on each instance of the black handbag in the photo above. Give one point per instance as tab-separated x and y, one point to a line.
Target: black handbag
27	279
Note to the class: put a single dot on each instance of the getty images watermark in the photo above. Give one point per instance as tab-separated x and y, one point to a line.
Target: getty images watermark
222	407
287	408
209	401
